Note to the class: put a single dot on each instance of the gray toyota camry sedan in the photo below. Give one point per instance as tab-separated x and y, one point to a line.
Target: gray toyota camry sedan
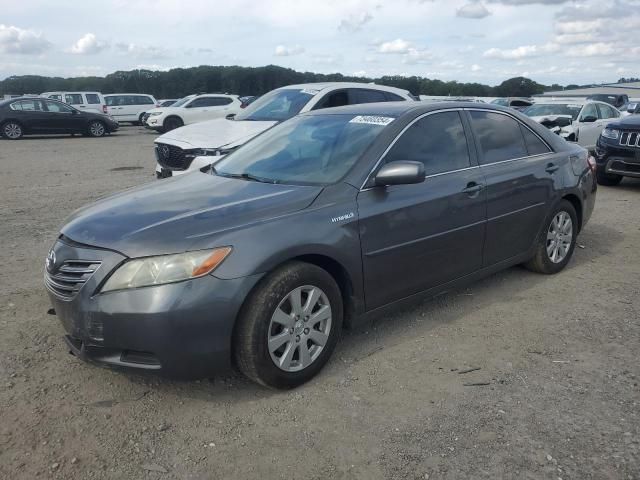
260	261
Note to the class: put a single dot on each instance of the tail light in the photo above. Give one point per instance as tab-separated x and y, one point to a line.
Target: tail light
104	109
244	105
591	160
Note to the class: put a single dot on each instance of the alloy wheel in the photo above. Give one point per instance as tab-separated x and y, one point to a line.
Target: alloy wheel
299	328
97	129
12	130
559	237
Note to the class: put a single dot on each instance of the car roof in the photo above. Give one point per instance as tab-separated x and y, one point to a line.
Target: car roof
112	94
326	85
396	109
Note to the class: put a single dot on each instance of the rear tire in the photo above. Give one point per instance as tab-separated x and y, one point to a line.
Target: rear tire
607	179
557	241
172	123
12	130
96	129
288	326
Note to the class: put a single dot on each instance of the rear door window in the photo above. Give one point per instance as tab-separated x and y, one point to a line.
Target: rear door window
142	100
31	105
499	136
437	140
92	99
608	112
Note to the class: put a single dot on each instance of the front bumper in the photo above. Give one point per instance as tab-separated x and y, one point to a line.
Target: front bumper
180	330
615	159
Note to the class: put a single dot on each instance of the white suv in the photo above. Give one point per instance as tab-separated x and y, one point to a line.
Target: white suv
129	107
579	121
196	146
80	100
191	109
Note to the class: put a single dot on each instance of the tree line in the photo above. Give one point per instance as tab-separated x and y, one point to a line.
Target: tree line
179	82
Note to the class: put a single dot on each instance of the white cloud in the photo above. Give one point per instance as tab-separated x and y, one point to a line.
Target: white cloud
353	23
415	55
395	46
524	51
473	9
88	45
283	51
592	50
149	52
19	41
475	67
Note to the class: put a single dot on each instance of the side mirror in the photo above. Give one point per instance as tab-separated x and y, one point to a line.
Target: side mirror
632	107
74	112
589	119
402	172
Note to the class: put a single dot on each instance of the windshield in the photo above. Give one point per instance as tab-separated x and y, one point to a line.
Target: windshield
306	150
182	101
277	105
540	109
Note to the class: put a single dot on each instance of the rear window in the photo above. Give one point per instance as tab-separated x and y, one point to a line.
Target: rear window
92	99
499	136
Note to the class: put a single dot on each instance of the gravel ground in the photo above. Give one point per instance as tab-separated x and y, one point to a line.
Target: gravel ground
555	394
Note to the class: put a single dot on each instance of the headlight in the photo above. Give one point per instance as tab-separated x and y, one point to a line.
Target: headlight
144	272
155	114
213	152
610	133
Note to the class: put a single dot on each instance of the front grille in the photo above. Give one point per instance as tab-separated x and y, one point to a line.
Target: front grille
630	139
172	157
68	279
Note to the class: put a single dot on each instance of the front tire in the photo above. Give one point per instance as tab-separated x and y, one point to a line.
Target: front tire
607	179
12	130
557	241
96	129
172	123
288	326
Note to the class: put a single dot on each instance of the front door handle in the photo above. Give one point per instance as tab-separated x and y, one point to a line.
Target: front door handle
472	188
551	168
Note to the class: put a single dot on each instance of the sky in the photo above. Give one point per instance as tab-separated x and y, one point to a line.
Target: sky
486	41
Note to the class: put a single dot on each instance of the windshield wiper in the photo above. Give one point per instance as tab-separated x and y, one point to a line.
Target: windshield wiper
246	176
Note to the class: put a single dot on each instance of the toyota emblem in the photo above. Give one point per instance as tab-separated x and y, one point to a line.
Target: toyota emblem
51	261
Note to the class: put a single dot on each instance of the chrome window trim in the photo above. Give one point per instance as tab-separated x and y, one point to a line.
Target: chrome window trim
458	109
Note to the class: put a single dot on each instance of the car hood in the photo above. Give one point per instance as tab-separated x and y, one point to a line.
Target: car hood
181	214
630	121
215	133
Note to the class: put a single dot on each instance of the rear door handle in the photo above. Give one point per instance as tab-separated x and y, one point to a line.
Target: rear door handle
473	187
551	168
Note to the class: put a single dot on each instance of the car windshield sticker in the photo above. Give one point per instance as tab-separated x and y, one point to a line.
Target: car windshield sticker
371	120
309	91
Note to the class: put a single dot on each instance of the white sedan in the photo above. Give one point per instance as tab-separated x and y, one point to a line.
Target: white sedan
191	109
197	146
575	120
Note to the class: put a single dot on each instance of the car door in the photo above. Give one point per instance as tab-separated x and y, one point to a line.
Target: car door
415	237
62	118
115	106
520	171
31	114
589	127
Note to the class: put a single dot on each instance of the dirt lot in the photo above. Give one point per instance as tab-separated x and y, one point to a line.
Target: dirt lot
558	355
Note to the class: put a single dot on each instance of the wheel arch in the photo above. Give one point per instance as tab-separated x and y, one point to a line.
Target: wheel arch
173	116
574	200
